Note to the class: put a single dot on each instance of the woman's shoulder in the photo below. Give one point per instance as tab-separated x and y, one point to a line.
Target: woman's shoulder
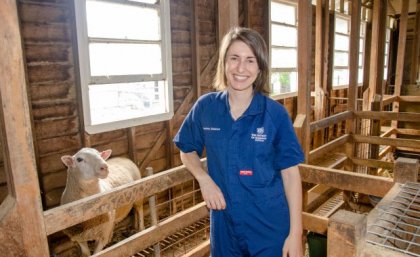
210	97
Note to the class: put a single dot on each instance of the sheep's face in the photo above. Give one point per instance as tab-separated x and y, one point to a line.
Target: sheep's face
88	163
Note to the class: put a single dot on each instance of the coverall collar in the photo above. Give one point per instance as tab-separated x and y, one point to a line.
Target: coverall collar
256	106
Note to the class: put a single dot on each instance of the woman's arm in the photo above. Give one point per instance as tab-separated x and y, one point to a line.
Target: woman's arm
212	194
293	188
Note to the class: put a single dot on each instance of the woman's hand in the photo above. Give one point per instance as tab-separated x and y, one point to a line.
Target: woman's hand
293	246
212	194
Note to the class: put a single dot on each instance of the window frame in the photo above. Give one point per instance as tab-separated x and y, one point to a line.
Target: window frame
280	70
86	79
335	67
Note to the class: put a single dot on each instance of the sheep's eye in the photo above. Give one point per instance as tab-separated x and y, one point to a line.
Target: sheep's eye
79	159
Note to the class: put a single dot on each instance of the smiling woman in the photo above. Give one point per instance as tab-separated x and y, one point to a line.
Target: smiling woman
124	54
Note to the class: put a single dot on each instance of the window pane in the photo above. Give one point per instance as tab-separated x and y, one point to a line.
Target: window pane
283	82
144	1
283	13
361	45
341	59
284	58
124	59
360	76
340	77
341	26
115	102
283	36
341	42
360	59
112	20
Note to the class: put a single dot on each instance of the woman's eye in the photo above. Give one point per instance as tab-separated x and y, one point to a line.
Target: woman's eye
78	159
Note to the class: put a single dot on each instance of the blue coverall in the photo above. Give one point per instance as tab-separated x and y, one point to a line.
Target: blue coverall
244	159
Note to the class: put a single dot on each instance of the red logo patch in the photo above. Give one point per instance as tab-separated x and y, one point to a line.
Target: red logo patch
245	172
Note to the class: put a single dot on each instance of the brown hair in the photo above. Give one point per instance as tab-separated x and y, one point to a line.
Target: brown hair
258	46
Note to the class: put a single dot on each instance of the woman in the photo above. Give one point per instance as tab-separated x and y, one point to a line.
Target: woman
253	187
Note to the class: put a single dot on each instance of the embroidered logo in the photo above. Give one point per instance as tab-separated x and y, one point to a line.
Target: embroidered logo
259	136
245	173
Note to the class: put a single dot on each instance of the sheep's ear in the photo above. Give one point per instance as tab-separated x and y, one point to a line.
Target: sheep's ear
105	154
68	160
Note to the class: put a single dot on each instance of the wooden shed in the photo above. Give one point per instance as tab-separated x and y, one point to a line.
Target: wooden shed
347	72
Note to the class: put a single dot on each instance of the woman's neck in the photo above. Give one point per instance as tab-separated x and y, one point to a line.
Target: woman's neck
239	102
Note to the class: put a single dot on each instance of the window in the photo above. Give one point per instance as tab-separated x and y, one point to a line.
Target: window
341	51
283	47
361	51
125	62
387	43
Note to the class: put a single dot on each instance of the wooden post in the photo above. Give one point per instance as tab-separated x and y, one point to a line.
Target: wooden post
153	213
321	61
406	170
304	73
227	16
354	71
399	70
377	57
22	228
345	231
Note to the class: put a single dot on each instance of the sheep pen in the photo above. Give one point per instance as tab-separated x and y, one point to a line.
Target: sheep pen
91	172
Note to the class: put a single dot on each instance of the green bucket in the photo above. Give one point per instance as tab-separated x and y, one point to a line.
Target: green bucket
317	245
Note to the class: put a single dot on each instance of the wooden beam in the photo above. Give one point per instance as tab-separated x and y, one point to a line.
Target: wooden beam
388	99
154	234
314	223
397	142
202	250
21	225
399	69
415	48
328	147
412	132
345	231
227	16
376	65
400	116
333	119
304	69
70	214
409	98
345	180
373	163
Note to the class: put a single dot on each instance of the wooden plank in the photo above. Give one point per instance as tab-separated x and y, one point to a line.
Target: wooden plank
328	147
154	234
373	163
397	142
409	98
76	212
412	132
345	180
415	48
22	209
314	223
333	119
400	116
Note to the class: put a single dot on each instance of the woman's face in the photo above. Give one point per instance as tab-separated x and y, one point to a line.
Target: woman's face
241	66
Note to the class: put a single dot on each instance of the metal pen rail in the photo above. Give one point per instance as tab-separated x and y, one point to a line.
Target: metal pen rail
398	225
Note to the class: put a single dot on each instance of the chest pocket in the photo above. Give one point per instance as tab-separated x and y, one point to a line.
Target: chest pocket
257	170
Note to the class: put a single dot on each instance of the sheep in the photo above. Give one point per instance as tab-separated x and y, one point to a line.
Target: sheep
90	172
